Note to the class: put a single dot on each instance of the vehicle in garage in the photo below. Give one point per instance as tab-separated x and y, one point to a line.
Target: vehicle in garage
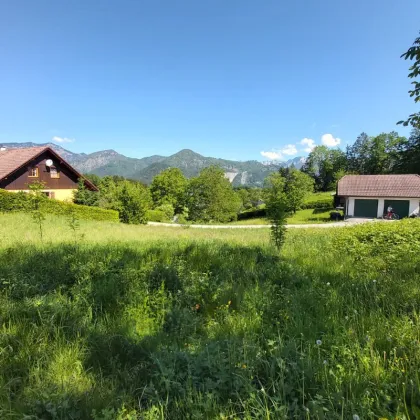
369	196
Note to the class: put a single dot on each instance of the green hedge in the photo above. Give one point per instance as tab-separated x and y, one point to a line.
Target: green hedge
252	214
22	202
156	216
319	201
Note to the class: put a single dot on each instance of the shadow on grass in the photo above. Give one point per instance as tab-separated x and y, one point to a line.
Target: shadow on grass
146	324
197	328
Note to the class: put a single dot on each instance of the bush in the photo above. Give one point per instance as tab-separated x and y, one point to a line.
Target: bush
167	209
22	202
252	214
156	216
318	201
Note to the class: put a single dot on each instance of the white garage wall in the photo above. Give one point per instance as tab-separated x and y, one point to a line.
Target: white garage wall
414	204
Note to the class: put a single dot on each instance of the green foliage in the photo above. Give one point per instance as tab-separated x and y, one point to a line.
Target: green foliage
325	166
168	210
133	202
84	196
216	325
210	197
276	207
298	186
413	53
157	216
37	200
168	187
320	200
16	202
375	155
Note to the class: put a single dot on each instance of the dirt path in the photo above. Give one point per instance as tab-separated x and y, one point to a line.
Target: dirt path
322	226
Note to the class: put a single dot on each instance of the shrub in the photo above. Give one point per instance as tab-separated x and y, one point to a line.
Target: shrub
167	209
318	201
156	216
252	213
22	202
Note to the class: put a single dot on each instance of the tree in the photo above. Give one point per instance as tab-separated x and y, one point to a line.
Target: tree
324	165
168	187
413	53
375	155
276	207
134	201
297	186
84	196
410	157
210	197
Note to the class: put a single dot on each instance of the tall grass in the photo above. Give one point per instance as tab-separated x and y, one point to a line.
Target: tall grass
142	322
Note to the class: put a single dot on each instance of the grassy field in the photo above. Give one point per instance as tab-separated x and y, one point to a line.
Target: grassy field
301	217
134	322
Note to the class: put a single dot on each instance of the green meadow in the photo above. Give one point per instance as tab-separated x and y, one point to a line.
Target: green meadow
112	321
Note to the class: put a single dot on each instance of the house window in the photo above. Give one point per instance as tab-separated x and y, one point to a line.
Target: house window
54	173
33	172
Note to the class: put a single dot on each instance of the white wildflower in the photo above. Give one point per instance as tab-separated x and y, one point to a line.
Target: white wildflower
356	417
318	342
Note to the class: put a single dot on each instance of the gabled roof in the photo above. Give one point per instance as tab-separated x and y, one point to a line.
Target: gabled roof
14	159
407	186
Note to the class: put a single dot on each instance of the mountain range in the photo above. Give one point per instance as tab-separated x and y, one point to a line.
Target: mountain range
109	162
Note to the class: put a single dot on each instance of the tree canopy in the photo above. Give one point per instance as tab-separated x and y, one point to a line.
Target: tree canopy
169	187
210	197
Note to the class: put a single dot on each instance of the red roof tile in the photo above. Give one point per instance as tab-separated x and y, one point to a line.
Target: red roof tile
407	186
12	159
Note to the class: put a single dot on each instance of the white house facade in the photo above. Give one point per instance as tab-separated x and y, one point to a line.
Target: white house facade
371	195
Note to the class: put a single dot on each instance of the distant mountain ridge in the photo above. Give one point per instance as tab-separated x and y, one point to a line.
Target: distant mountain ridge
110	162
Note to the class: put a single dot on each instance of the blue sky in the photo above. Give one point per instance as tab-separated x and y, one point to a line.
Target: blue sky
226	78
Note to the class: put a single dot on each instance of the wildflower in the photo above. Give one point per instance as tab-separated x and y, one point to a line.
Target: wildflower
374	281
262	390
230	302
346	318
356	417
318	342
328	283
325	362
244	366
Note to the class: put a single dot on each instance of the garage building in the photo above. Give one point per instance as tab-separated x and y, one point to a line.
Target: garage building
370	195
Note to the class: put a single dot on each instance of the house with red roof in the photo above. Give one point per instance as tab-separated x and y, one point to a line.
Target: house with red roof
19	167
371	195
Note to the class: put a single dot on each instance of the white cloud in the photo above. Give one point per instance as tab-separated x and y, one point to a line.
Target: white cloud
272	155
309	143
62	139
289	150
279	154
330	141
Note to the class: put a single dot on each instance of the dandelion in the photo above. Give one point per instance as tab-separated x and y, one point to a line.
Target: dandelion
346	318
262	390
356	417
328	283
325	362
318	342
374	281
243	366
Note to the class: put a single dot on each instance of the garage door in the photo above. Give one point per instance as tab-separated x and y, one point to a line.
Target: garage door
401	207
365	208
